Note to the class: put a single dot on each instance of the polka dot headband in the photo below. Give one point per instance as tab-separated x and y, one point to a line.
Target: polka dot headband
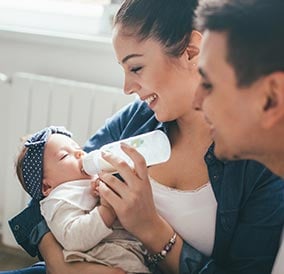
32	166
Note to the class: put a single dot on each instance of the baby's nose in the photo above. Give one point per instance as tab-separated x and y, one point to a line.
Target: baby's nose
79	153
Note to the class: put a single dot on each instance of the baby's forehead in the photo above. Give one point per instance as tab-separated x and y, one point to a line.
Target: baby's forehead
58	141
57	137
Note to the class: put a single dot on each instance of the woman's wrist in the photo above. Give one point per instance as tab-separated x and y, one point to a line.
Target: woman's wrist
154	259
155	237
159	238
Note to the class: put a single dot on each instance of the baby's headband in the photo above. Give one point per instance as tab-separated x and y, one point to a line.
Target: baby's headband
32	165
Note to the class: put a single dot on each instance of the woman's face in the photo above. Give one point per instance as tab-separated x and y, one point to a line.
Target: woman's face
166	84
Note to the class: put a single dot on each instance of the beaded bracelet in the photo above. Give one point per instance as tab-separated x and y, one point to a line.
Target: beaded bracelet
154	259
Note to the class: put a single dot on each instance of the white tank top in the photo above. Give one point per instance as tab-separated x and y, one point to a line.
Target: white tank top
191	213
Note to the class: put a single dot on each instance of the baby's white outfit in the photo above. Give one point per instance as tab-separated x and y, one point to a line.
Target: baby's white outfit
72	216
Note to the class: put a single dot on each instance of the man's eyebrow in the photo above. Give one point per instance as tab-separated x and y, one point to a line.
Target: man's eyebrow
126	58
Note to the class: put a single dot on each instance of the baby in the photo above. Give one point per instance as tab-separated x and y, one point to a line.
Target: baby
49	168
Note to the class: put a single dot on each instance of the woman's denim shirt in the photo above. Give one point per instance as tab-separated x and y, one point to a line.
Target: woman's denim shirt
250	211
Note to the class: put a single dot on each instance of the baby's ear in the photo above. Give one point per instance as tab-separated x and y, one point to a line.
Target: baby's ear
46	188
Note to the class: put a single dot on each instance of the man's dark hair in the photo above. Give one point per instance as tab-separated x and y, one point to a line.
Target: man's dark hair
255	34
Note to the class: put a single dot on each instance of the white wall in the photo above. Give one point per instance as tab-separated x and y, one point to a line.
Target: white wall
73	58
80	59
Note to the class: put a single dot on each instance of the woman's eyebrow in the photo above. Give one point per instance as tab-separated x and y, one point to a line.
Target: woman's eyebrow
126	58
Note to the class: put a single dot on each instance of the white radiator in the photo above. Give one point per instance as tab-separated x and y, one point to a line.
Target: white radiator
35	102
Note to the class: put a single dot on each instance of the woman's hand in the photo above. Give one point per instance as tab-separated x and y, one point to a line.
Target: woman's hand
132	200
133	203
53	255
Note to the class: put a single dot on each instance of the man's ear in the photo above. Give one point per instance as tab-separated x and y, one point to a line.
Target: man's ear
46	188
193	47
273	106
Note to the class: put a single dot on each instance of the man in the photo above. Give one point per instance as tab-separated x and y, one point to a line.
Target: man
242	88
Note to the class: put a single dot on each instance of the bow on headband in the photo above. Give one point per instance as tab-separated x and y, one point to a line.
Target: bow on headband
32	166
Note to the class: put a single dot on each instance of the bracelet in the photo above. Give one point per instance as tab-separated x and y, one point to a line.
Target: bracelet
154	259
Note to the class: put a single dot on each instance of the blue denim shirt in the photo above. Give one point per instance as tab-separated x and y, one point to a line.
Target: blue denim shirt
250	212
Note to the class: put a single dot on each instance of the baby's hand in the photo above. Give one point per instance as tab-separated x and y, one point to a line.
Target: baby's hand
103	202
107	213
94	184
106	210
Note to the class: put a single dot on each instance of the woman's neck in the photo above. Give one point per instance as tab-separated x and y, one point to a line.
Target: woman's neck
189	144
195	131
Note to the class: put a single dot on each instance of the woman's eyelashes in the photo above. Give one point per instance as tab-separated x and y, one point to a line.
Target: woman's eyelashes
136	69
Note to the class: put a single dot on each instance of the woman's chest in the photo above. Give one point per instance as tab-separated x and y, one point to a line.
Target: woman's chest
182	171
191	213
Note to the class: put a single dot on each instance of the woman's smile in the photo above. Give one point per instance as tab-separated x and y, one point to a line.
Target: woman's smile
149	100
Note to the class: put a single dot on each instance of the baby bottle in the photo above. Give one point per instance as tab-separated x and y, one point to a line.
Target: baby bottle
154	147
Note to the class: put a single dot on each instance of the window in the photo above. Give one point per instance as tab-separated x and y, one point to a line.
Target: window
58	17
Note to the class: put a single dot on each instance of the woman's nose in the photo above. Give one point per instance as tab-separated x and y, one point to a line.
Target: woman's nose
130	87
198	99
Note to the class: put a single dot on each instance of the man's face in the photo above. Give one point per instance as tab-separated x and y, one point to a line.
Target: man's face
232	112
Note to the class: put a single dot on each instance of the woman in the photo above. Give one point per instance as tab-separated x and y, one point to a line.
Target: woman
211	216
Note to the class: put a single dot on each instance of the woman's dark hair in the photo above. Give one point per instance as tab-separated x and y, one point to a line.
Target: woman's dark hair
167	21
255	34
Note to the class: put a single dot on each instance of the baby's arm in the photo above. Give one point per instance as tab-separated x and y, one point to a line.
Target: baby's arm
53	256
78	230
107	213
